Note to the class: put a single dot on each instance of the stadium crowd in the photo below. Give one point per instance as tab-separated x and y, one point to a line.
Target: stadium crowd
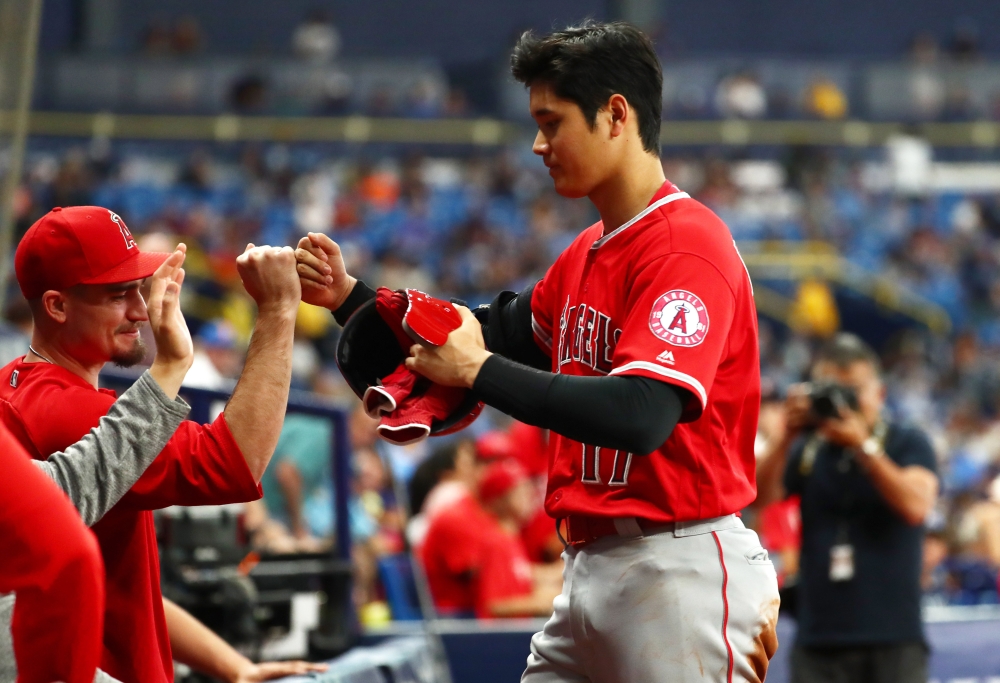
472	226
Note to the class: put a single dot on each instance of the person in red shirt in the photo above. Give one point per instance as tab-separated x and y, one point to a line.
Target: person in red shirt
52	560
526	444
638	351
475	560
451	554
81	271
508	584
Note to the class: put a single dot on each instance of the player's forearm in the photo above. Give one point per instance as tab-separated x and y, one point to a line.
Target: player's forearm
99	469
196	645
633	414
910	492
256	411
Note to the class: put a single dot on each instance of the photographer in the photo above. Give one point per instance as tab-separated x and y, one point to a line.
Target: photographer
867	485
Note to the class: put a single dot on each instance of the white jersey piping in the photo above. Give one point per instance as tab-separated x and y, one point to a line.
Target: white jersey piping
666	372
642	214
543	337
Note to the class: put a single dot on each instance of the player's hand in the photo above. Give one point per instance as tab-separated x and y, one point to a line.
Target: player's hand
269	276
253	673
321	269
797	408
174	349
849	430
457	362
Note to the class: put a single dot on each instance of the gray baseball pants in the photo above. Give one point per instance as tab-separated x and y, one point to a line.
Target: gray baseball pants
697	601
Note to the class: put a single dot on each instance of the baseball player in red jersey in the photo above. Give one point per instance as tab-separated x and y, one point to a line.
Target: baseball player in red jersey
638	350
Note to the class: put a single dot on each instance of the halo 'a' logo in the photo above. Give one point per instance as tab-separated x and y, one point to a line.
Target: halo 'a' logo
679	318
126	233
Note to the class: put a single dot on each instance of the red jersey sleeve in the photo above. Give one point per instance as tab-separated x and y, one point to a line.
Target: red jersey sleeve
55	430
200	465
680	311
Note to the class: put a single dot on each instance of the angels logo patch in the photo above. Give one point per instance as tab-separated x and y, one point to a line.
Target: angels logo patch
679	318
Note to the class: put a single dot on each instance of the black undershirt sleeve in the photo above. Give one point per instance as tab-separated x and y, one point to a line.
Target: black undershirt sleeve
634	414
359	295
507	329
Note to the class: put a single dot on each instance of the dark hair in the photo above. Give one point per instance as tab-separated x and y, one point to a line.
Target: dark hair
429	473
587	64
845	349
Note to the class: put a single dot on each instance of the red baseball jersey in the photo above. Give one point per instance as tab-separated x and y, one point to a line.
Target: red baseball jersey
665	296
47	408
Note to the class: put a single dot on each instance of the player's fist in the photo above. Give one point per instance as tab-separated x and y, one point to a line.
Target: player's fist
269	276
321	269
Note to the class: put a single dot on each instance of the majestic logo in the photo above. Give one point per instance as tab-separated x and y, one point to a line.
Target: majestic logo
666	357
679	318
126	234
13	378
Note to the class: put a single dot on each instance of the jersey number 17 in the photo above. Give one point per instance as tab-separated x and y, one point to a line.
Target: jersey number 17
592	465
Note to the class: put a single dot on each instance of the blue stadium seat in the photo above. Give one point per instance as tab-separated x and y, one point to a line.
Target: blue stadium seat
396	574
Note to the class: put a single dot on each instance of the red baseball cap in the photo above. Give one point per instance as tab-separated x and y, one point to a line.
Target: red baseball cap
79	245
499	478
495	445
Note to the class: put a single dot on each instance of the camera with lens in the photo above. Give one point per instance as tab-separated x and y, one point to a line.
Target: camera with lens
829	399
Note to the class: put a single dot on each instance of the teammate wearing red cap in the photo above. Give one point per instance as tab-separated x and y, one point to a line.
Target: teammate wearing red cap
638	351
81	272
489	573
51	560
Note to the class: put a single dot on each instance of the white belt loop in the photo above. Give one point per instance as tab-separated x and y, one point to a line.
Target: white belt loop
627	527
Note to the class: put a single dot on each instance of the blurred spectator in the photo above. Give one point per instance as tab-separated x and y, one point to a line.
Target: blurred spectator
927	93
451	552
156	39
446	478
825	100
933	577
507	584
299	473
964	43
316	39
475	560
187	38
981	523
15	328
741	96
424	100
456	104
924	49
248	94
527	446
958	104
218	358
